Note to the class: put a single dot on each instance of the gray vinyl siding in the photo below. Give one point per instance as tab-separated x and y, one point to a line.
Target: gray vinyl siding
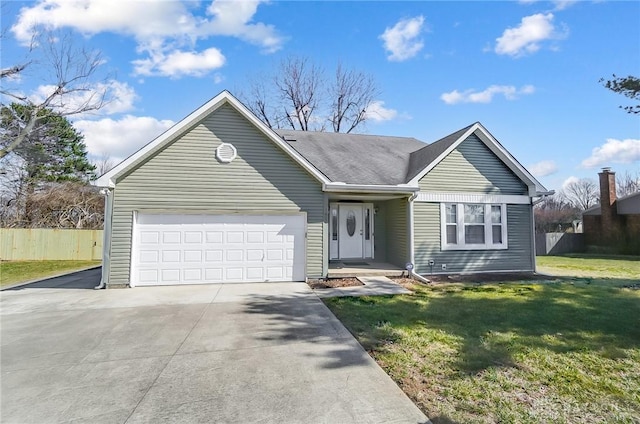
380	231
397	230
518	257
472	168
186	177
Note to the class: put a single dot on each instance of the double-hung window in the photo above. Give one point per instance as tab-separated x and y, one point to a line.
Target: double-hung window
473	226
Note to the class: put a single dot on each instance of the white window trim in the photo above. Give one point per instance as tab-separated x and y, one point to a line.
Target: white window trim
488	234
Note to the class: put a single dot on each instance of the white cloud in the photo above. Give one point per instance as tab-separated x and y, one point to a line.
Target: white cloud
180	63
378	113
117	139
162	29
614	151
119	97
526	38
564	4
402	40
509	92
571	180
543	168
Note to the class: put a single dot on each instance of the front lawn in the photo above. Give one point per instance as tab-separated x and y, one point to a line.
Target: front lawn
584	265
19	271
562	350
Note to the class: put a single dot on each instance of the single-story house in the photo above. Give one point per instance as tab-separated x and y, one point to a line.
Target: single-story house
613	221
221	197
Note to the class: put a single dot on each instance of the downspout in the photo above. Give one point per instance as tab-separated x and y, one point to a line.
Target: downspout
413	272
106	238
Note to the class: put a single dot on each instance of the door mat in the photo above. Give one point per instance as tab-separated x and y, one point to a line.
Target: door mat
355	263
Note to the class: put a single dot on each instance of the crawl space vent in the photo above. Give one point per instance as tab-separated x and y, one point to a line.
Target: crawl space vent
226	152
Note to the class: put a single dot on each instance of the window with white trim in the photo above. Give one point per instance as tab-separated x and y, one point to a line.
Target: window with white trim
473	226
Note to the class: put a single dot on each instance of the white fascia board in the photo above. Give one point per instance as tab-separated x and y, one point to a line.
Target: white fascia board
109	178
510	199
535	188
369	188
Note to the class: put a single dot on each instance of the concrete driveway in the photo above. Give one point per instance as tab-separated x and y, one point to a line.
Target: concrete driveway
264	353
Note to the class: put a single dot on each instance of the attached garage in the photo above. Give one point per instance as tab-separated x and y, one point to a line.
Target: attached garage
199	249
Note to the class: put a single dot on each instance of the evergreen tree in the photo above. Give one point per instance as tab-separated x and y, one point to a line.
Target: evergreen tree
52	152
627	86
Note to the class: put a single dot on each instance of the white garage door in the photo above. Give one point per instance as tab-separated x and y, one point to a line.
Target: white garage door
199	249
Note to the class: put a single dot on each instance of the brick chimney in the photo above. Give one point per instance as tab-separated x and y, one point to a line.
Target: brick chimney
608	202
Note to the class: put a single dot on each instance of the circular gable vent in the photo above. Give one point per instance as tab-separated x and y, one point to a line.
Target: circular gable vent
226	152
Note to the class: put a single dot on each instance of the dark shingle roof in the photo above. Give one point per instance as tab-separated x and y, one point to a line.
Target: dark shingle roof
354	158
626	205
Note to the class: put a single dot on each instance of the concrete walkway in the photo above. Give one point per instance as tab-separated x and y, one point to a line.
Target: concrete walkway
268	353
372	286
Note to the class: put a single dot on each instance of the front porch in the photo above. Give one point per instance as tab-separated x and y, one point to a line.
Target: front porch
363	268
368	236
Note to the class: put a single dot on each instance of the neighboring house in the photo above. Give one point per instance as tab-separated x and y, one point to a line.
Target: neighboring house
614	222
220	197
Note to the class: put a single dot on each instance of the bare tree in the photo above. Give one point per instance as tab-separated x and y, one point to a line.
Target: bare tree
555	214
351	92
582	194
627	183
104	164
57	205
71	88
299	96
299	83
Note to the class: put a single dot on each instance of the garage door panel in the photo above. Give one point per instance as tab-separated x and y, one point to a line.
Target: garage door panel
149	237
234	274
149	256
170	275
148	276
214	237
171	256
190	249
235	237
213	275
255	273
193	256
192	237
171	237
194	274
254	255
213	256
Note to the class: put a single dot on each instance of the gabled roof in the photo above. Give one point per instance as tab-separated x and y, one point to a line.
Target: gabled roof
449	143
179	129
341	162
420	159
355	158
626	205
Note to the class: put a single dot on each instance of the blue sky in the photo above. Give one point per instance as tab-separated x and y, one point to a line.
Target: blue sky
528	70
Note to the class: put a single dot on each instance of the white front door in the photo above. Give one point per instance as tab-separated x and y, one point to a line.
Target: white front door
350	230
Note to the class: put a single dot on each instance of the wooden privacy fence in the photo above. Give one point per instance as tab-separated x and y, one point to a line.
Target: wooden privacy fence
24	244
559	243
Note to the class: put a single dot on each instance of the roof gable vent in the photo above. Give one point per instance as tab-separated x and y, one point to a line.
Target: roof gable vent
226	152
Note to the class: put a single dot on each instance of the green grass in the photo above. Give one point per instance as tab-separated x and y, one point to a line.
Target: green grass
20	271
566	350
590	266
